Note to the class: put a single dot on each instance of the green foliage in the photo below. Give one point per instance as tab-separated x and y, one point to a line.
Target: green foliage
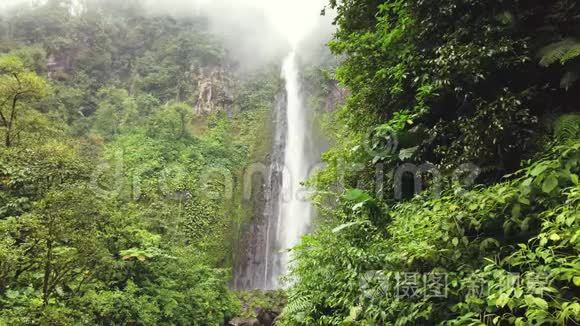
432	82
19	87
404	57
254	300
528	226
172	122
67	255
564	52
560	52
116	111
567	127
118	205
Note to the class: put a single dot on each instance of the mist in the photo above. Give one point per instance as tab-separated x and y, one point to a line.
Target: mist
255	32
291	19
258	31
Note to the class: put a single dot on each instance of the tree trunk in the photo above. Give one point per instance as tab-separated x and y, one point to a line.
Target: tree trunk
10	121
47	271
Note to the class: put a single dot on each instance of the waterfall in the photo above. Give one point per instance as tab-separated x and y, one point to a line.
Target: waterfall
295	211
286	213
282	211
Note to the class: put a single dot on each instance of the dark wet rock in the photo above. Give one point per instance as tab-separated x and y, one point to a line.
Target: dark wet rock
257	262
244	322
267	317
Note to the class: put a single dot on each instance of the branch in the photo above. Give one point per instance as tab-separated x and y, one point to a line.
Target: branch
4	122
15	75
59	276
13	113
2	114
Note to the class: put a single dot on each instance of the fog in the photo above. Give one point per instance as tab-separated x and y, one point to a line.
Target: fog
256	31
5	5
291	19
259	30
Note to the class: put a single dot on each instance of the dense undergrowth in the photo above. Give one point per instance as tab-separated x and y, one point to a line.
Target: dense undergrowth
504	254
451	191
120	189
450	195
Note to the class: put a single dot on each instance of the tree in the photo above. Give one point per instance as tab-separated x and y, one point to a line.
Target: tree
172	122
19	88
116	111
451	88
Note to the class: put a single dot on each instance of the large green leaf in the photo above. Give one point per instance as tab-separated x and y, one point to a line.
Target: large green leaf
550	183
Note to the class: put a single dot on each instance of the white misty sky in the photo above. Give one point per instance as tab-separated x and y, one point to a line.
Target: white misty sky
293	18
5	4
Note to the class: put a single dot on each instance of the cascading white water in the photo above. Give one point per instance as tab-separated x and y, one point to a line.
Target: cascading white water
287	214
295	211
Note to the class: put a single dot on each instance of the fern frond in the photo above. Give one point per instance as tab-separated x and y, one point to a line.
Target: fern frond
562	51
296	306
567	127
571	54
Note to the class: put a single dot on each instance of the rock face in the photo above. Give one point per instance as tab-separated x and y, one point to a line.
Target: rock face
266	317
209	88
256	258
213	89
336	96
244	322
58	64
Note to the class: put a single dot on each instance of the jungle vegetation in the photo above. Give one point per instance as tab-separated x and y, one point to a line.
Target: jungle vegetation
104	218
451	195
451	192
